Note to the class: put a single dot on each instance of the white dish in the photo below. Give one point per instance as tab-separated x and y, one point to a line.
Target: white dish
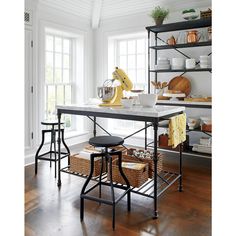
190	63
147	100
127	103
204	66
174	95
163	67
178	61
177	67
190	15
205	141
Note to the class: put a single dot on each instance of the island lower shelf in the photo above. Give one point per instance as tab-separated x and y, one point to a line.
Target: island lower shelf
165	179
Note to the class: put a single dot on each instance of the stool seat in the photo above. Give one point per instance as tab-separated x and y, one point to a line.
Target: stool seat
51	122
106	141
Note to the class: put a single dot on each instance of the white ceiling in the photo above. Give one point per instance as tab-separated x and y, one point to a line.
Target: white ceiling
96	10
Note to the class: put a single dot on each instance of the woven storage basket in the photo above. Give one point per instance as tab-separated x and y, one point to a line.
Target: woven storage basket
82	165
150	162
119	148
206	14
136	177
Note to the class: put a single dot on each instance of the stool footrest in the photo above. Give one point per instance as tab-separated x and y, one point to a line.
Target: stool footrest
109	202
48	159
96	199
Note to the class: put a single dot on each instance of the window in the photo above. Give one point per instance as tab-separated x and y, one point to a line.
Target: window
131	56
58	76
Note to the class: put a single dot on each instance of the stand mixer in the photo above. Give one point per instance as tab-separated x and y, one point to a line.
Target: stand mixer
111	96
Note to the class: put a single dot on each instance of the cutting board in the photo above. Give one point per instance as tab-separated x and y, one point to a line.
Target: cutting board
206	99
180	83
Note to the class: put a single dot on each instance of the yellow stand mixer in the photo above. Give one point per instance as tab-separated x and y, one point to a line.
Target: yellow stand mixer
111	96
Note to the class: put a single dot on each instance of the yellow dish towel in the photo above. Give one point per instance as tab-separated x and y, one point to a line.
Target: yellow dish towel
177	130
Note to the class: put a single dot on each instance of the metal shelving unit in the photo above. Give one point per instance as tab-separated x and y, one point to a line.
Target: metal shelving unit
185	25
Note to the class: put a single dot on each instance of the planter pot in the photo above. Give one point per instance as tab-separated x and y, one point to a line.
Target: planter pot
159	21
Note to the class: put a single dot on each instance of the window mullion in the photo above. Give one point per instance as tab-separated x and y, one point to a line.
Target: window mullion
62	59
53	53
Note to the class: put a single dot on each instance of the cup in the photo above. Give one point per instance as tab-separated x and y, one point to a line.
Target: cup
204	61
177	63
190	63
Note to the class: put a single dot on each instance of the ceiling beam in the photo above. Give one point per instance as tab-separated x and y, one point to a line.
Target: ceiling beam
96	13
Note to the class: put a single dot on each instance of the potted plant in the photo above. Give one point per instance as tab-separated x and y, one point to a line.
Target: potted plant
159	14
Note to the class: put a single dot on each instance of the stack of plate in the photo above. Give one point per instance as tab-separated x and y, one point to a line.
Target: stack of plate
178	63
163	63
204	146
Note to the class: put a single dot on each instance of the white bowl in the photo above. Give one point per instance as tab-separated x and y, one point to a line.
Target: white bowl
147	100
178	61
127	103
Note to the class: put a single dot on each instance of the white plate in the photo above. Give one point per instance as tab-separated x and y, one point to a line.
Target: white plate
174	95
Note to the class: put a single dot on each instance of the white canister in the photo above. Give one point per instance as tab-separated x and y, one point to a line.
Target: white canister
190	63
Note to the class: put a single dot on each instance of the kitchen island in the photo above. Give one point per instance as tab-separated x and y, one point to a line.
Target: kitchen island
160	182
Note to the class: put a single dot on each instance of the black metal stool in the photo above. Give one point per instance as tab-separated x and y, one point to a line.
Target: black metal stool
106	142
52	131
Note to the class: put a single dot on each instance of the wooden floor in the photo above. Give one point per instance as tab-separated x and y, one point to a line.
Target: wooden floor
50	211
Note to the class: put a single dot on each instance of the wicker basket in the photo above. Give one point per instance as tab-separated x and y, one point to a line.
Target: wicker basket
119	148
136	177
150	162
82	165
206	14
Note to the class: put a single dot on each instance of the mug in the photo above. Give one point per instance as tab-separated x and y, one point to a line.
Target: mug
190	63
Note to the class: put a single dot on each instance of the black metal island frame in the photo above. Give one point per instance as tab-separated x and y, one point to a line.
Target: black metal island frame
151	117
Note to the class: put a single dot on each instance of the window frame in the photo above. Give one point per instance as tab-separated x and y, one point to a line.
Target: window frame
115	41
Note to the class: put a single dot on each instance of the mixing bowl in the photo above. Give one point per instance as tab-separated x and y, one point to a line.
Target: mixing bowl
147	100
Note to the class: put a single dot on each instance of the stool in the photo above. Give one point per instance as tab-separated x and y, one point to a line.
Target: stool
105	142
52	131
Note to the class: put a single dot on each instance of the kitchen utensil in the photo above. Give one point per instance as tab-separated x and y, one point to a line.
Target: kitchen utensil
205	141
193	36
111	96
190	63
147	100
127	102
171	40
174	96
177	63
182	37
106	93
162	64
193	122
180	83
209	33
159	85
206	120
204	35
190	14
